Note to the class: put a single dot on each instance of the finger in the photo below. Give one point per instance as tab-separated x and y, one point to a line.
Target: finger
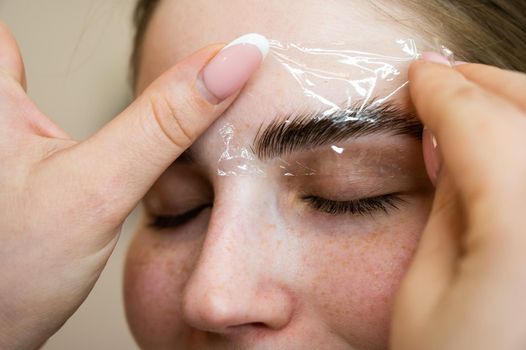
126	157
433	266
508	84
17	112
469	123
432	156
11	63
20	118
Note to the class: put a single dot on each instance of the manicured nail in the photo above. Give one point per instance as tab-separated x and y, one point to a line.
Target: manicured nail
432	155
436	58
231	68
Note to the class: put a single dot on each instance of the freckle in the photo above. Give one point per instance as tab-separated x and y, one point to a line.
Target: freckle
157	244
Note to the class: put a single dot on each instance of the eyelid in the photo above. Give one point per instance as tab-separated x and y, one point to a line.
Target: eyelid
173	221
372	156
180	187
362	207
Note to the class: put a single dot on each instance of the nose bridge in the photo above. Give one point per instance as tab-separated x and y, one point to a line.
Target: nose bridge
231	284
242	211
227	252
234	228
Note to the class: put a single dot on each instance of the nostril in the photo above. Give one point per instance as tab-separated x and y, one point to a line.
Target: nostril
212	310
259	325
222	296
254	327
220	312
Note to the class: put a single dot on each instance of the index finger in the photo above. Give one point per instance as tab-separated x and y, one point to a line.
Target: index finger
470	124
11	62
508	84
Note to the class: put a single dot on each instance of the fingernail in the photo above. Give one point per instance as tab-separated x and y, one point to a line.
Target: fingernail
231	68
436	58
432	155
460	63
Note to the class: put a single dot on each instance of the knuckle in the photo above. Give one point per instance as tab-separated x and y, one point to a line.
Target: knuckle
81	196
103	208
451	113
514	85
171	120
466	92
11	91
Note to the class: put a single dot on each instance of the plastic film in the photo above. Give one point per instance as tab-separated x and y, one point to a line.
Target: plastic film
344	90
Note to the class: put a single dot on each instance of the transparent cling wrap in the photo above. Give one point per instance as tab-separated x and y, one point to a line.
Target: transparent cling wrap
344	92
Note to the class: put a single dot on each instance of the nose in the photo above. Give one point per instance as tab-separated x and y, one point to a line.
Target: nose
236	283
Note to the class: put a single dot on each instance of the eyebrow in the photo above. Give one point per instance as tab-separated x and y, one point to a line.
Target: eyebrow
309	130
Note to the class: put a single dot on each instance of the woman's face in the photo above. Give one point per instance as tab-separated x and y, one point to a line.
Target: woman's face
273	261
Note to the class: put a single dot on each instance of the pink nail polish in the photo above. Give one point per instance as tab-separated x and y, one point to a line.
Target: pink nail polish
436	58
231	68
432	156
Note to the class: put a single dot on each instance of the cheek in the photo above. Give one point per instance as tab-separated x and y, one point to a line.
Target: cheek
156	271
355	277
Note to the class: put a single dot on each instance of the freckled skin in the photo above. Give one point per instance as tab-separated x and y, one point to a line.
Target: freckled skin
346	281
258	270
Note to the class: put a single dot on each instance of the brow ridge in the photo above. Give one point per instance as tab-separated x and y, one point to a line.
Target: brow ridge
306	130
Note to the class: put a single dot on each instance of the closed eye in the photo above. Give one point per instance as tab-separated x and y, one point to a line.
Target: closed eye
365	206
172	221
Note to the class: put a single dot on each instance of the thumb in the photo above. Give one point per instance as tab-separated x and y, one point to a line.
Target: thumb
126	157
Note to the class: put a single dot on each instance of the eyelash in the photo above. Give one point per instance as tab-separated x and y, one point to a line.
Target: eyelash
365	206
170	221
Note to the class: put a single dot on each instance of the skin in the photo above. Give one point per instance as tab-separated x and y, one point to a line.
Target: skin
464	288
468	274
262	269
63	202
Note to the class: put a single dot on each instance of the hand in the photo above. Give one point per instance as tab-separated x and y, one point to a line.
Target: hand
62	202
466	288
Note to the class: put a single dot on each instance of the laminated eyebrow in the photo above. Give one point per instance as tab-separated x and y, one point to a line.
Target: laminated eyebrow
304	131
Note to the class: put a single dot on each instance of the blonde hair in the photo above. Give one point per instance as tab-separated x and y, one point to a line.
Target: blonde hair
480	31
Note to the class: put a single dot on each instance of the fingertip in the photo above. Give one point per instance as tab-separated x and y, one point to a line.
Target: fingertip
420	76
432	60
432	157
423	64
4	27
437	58
11	62
420	67
232	67
428	76
466	68
413	69
168	116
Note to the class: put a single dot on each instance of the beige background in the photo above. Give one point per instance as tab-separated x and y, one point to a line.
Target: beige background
76	54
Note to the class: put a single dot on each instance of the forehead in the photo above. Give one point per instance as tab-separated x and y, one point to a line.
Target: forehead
181	27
